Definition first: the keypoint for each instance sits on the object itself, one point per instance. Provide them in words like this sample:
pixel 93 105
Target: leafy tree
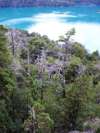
pixel 13 103
pixel 67 36
pixel 71 71
pixel 44 122
pixel 79 102
pixel 79 50
pixel 6 84
pixel 4 52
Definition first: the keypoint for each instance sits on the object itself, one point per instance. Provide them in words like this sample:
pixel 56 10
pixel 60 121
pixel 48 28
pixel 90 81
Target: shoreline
pixel 46 5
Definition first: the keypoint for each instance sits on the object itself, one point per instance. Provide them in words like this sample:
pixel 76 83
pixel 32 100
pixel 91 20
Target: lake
pixel 56 21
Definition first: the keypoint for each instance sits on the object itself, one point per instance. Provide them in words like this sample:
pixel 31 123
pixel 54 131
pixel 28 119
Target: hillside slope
pixel 47 86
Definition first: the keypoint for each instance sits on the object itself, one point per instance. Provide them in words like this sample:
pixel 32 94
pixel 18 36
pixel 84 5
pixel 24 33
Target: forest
pixel 47 86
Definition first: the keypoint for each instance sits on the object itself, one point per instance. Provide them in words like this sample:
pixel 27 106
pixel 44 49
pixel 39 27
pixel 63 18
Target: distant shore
pixel 31 3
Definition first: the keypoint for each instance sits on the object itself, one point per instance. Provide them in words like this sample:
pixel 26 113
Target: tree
pixel 13 102
pixel 72 70
pixel 7 84
pixel 68 35
pixel 79 102
pixel 5 59
pixel 44 121
pixel 79 50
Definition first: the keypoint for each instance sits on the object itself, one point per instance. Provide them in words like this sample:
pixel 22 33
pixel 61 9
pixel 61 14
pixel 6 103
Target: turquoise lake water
pixel 56 21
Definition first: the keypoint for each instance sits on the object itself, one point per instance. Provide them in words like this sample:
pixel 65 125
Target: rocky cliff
pixel 28 3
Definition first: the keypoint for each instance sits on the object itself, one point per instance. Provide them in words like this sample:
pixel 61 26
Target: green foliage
pixel 70 33
pixel 94 56
pixel 44 123
pixel 5 120
pixel 98 130
pixel 34 101
pixel 13 103
pixel 79 50
pixel 71 69
pixel 4 52
pixel 51 60
pixel 67 36
pixel 78 102
pixel 39 42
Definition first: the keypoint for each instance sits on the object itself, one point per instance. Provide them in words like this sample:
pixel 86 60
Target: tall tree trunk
pixel 12 43
pixel 28 61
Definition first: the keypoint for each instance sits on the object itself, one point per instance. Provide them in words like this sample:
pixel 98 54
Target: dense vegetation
pixel 56 89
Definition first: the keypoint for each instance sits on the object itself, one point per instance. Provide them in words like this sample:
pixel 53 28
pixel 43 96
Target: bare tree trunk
pixel 33 120
pixel 12 43
pixel 28 60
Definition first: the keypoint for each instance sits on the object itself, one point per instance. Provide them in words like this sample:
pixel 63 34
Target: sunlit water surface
pixel 56 21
